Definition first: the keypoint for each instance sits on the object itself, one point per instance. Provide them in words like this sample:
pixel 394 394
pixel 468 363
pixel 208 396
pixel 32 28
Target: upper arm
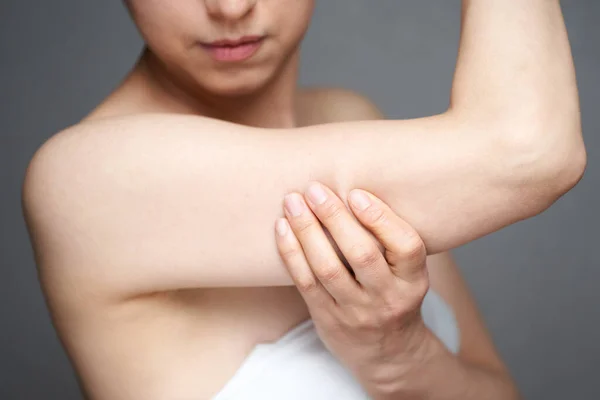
pixel 149 203
pixel 476 346
pixel 124 208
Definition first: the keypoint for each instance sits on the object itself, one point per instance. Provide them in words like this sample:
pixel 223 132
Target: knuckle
pixel 362 320
pixel 419 288
pixel 370 321
pixel 303 225
pixel 394 304
pixel 289 252
pixel 330 210
pixel 412 248
pixel 306 284
pixel 377 216
pixel 400 308
pixel 364 256
pixel 392 311
pixel 330 273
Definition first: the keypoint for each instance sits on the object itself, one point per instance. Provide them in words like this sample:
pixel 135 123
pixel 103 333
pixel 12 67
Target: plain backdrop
pixel 536 282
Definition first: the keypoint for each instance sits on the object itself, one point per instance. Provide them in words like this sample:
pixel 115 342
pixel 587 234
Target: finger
pixel 355 243
pixel 290 250
pixel 404 249
pixel 319 253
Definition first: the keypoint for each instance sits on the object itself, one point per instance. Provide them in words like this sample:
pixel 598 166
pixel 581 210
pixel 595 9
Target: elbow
pixel 570 170
pixel 547 162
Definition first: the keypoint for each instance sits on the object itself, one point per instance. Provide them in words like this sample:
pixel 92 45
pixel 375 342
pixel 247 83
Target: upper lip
pixel 235 42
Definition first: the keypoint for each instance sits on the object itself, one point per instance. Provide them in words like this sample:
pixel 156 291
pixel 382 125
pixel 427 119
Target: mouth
pixel 234 50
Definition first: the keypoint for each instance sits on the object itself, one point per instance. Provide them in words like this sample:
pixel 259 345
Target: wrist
pixel 388 372
pixel 406 378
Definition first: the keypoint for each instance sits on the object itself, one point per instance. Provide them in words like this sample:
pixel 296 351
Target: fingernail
pixel 359 200
pixel 316 194
pixel 294 204
pixel 282 226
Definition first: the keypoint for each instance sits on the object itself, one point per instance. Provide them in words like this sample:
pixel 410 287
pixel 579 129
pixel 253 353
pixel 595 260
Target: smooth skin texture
pixel 512 132
pixel 369 316
pixel 151 220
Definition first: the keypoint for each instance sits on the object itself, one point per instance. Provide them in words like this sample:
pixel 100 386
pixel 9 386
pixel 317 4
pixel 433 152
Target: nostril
pixel 230 9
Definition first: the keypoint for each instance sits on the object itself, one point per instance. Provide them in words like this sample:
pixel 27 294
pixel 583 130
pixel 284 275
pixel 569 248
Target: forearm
pixel 515 67
pixel 438 374
pixel 521 70
pixel 514 90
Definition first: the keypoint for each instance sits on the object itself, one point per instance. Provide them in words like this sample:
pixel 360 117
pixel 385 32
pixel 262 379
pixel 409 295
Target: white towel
pixel 298 366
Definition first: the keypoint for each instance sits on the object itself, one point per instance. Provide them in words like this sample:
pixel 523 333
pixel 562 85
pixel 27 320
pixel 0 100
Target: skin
pixel 172 192
pixel 370 318
pixel 134 246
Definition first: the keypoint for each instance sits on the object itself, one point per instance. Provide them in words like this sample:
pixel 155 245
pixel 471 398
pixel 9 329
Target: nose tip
pixel 230 9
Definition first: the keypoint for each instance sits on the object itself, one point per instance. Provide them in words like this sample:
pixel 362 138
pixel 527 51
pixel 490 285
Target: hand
pixel 371 322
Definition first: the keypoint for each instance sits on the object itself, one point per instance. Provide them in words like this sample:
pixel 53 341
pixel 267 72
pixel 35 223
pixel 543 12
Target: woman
pixel 152 220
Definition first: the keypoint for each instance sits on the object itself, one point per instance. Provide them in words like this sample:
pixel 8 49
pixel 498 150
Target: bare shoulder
pixel 325 105
pixel 65 163
pixel 60 186
pixel 71 182
pixel 48 192
pixel 63 154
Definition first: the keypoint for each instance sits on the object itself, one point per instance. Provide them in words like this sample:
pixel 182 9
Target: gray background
pixel 536 282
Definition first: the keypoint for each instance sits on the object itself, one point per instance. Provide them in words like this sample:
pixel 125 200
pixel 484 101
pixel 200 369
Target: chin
pixel 232 90
pixel 243 83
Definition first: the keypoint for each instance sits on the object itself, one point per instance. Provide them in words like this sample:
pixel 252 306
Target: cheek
pixel 297 16
pixel 294 18
pixel 167 26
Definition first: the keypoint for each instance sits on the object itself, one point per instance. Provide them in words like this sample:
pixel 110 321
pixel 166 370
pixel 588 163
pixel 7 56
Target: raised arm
pixel 156 202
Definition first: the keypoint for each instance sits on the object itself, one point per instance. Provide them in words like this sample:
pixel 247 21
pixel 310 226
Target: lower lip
pixel 233 53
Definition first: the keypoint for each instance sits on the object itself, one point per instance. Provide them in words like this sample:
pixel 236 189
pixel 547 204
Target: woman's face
pixel 226 47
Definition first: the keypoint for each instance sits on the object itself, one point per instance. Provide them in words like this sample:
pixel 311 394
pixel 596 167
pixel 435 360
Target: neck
pixel 272 106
